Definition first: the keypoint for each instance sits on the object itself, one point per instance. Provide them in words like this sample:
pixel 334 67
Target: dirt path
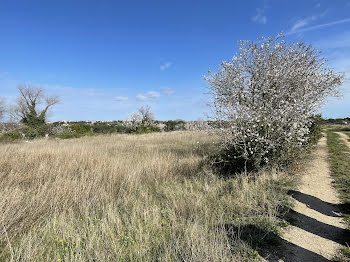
pixel 317 229
pixel 344 137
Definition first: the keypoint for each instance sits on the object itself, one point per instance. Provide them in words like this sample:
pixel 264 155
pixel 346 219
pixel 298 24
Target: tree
pixel 264 99
pixel 146 115
pixel 143 119
pixel 32 105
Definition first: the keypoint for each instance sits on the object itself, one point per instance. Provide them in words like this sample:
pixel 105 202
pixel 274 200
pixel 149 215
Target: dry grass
pixel 129 198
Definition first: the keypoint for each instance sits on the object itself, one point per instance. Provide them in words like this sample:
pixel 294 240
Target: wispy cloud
pixel 121 98
pixel 310 28
pixel 149 96
pixel 260 17
pixel 165 66
pixel 303 22
pixel 168 90
pixel 300 23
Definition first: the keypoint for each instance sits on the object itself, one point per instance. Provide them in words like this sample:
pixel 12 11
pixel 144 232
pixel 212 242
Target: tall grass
pixel 130 198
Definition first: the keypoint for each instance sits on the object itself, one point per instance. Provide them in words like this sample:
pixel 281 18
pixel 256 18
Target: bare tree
pixel 32 105
pixel 265 97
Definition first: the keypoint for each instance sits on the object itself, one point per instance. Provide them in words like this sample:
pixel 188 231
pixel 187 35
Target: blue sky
pixel 107 58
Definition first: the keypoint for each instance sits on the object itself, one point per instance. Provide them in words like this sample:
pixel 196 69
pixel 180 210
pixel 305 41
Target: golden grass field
pixel 146 197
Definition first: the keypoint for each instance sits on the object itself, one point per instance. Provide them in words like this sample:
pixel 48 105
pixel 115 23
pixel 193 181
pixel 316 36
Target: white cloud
pixel 121 98
pixel 306 21
pixel 347 20
pixel 168 91
pixel 260 17
pixel 151 95
pixel 165 66
pixel 303 22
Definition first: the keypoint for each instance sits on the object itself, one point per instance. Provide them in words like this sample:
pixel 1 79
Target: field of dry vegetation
pixel 146 197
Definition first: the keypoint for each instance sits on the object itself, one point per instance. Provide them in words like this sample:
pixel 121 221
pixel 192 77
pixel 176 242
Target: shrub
pixel 315 129
pixel 10 136
pixel 265 99
pixel 174 125
pixel 148 129
pixel 32 132
pixel 80 128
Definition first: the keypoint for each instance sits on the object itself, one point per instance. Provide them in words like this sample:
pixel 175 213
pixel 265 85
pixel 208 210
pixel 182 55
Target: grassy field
pixel 132 198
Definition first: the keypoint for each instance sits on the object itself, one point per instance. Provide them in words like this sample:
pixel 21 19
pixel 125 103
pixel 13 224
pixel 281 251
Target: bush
pixel 265 99
pixel 315 129
pixel 174 125
pixel 81 128
pixel 34 132
pixel 72 135
pixel 148 129
pixel 10 136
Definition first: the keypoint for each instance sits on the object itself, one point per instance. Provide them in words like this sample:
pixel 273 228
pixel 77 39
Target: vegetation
pixel 28 105
pixel 133 198
pixel 339 155
pixel 266 98
pixel 10 136
pixel 337 121
pixel 163 197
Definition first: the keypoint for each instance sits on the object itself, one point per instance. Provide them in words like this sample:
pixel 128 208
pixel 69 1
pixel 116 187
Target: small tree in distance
pixel 32 106
pixel 142 121
pixel 265 97
pixel 146 115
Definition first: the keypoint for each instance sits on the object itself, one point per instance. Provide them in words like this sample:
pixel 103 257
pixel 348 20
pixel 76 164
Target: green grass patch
pixel 348 134
pixel 339 156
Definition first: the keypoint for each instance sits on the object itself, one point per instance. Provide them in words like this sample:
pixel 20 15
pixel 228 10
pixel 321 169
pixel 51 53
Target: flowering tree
pixel 143 118
pixel 146 115
pixel 133 120
pixel 264 98
pixel 200 124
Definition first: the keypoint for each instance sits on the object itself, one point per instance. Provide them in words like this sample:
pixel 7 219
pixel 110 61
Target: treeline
pixel 75 129
pixel 33 103
pixel 337 121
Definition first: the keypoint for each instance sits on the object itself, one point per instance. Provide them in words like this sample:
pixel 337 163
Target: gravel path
pixel 317 228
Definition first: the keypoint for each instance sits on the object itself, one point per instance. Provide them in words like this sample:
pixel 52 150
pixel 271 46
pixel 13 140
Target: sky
pixel 105 59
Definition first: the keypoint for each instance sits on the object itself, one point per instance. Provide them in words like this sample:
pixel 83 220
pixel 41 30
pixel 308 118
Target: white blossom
pixel 267 94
